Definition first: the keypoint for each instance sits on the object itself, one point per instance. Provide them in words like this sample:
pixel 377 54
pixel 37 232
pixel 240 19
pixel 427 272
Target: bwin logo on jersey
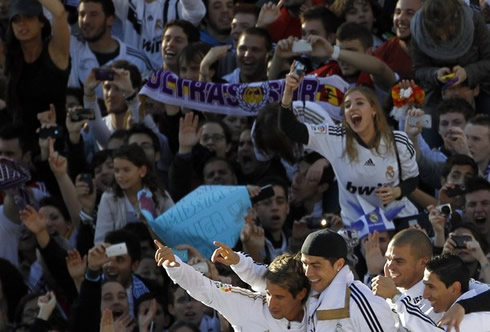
pixel 361 190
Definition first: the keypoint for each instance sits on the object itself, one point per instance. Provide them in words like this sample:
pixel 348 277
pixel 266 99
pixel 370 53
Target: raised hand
pixel 74 128
pixel 292 83
pixel 320 46
pixel 375 260
pixel 413 130
pixel 214 54
pixel 34 221
pixel 164 255
pixel 47 117
pixel 57 162
pixel 315 172
pixel 90 84
pixel 87 199
pixel 189 134
pixel 252 235
pixel 122 79
pixel 46 304
pixel 441 72
pixel 107 321
pixel 384 287
pixel 284 48
pixel 224 254
pixel 146 316
pixel 97 256
pixel 460 74
pixel 456 141
pixel 269 13
pixel 124 323
pixel 452 318
pixel 76 265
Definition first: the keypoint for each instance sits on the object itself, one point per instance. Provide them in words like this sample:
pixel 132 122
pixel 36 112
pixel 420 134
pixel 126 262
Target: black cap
pixel 25 7
pixel 325 243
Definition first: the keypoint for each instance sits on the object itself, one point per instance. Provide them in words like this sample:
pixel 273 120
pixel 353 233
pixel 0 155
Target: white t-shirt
pixel 358 180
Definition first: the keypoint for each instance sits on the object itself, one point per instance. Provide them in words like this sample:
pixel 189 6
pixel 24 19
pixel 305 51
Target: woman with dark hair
pixel 118 207
pixel 37 62
pixel 375 167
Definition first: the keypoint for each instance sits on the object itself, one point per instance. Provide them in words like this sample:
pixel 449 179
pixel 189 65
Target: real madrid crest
pixel 373 217
pixel 390 173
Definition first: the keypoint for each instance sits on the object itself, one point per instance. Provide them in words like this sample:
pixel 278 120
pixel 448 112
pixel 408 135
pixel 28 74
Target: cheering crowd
pixel 360 129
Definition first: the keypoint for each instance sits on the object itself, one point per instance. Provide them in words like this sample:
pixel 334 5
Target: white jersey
pixel 143 22
pixel 415 320
pixel 358 180
pixel 83 60
pixel 245 310
pixel 345 305
pixel 416 294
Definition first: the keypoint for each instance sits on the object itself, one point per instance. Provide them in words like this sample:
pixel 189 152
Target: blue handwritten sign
pixel 209 213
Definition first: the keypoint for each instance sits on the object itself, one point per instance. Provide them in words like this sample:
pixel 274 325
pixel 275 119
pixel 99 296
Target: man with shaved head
pixel 407 254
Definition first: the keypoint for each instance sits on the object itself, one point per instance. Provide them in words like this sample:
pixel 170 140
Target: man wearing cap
pixel 338 302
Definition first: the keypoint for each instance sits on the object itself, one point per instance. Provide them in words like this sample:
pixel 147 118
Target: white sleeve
pixel 250 272
pixel 192 11
pixel 121 7
pixel 98 127
pixel 406 153
pixel 74 78
pixel 105 217
pixel 477 321
pixel 412 318
pixel 326 140
pixel 370 313
pixel 234 303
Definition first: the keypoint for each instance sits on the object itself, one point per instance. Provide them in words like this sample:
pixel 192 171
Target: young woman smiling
pixel 374 166
pixel 132 172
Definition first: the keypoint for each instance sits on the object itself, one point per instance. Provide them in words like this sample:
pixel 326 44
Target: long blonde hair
pixel 381 127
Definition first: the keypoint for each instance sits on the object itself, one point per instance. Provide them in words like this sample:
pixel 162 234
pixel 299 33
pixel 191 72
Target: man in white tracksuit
pixel 446 281
pixel 338 302
pixel 281 309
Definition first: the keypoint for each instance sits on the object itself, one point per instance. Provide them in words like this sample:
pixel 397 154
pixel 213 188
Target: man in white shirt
pixel 280 309
pixel 446 281
pixel 143 22
pixel 97 47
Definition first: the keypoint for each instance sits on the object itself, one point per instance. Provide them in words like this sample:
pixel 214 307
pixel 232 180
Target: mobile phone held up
pixel 104 74
pixel 461 240
pixel 87 178
pixel 81 114
pixel 53 132
pixel 299 68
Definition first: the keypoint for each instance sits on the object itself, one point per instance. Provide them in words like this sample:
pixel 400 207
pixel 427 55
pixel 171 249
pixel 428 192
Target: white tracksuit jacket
pixel 413 319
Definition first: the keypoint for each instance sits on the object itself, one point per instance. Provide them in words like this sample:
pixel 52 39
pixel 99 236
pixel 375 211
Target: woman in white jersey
pixel 374 166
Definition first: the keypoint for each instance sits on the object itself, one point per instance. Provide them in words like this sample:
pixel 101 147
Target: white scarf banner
pixel 245 99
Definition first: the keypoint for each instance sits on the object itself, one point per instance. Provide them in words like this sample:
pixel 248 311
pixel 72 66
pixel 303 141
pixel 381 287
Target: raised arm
pixel 59 45
pixel 380 72
pixel 288 123
pixel 192 11
pixel 243 265
pixel 220 296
